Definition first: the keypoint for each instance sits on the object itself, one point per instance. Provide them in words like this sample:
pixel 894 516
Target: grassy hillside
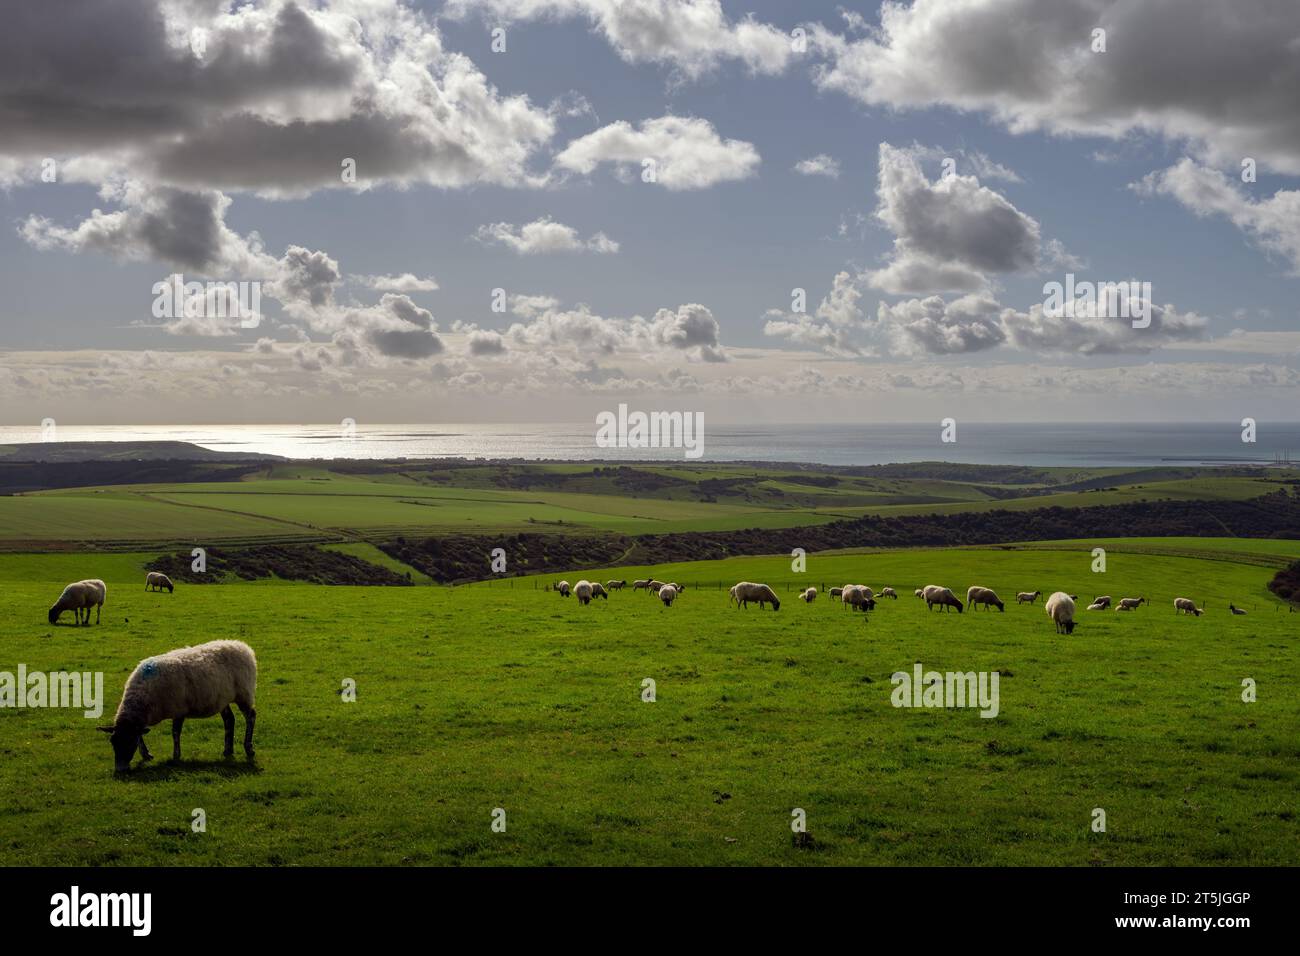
pixel 504 696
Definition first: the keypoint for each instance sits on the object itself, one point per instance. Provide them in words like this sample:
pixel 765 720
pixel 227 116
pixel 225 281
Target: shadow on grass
pixel 228 768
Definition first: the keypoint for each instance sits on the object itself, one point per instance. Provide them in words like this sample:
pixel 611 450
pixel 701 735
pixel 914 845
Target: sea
pixel 1098 444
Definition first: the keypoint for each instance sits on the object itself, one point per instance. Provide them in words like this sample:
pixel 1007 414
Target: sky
pixel 532 210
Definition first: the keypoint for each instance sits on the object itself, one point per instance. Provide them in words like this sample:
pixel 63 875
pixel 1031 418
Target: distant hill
pixel 78 451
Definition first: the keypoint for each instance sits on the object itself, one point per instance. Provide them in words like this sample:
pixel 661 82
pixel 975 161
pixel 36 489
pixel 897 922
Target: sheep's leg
pixel 228 718
pixel 98 608
pixel 177 724
pixel 250 717
pixel 144 749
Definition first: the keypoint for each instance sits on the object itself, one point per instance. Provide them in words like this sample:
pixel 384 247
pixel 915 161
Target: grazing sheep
pixel 1235 610
pixel 583 592
pixel 747 591
pixel 667 594
pixel 680 587
pixel 809 595
pixel 835 592
pixel 936 594
pixel 199 681
pixel 598 590
pixel 1060 608
pixel 1103 600
pixel 80 596
pixel 919 592
pixel 616 585
pixel 640 583
pixel 1027 597
pixel 1186 606
pixel 1129 604
pixel 859 597
pixel 654 586
pixel 563 588
pixel 986 596
pixel 157 580
pixel 889 593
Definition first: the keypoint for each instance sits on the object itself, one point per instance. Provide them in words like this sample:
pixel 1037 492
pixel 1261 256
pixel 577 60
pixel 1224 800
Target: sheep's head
pixel 125 739
pixel 1069 627
pixel 170 587
pixel 1002 607
pixel 776 605
pixel 54 614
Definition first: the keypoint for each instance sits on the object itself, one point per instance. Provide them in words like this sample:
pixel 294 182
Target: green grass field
pixel 502 695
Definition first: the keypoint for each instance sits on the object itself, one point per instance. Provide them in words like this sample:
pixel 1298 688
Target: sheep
pixel 858 597
pixel 583 592
pixel 667 593
pixel 654 586
pixel 1235 610
pixel 1060 608
pixel 80 596
pixel 1186 606
pixel 157 580
pixel 808 596
pixel 640 583
pixel 919 592
pixel 563 588
pixel 1096 607
pixel 199 681
pixel 1103 600
pixel 1028 597
pixel 889 593
pixel 616 585
pixel 986 596
pixel 936 594
pixel 680 587
pixel 598 590
pixel 747 591
pixel 835 592
pixel 1129 604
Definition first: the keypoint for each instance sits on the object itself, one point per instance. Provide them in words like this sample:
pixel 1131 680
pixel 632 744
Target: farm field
pixel 302 503
pixel 503 695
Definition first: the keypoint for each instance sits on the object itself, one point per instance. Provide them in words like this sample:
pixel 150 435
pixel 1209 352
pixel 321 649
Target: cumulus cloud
pixel 276 98
pixel 1092 328
pixel 949 234
pixel 693 36
pixel 544 235
pixel 835 326
pixel 406 282
pixel 690 330
pixel 687 152
pixel 1175 68
pixel 1273 223
pixel 819 165
pixel 931 326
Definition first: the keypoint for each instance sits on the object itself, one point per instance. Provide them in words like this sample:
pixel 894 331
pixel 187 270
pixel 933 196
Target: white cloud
pixel 819 165
pixel 1272 223
pixel 687 152
pixel 1176 68
pixel 693 36
pixel 1086 329
pixel 406 282
pixel 931 326
pixel 542 236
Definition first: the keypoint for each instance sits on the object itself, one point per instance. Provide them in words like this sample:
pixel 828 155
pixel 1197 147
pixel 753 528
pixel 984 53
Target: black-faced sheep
pixel 667 594
pixel 986 596
pixel 889 593
pixel 640 583
pixel 188 682
pixel 563 588
pixel 1060 608
pixel 616 585
pixel 1235 610
pixel 937 594
pixel 1186 606
pixel 80 596
pixel 583 592
pixel 1028 597
pixel 1130 604
pixel 1103 600
pixel 808 595
pixel 157 581
pixel 598 590
pixel 747 591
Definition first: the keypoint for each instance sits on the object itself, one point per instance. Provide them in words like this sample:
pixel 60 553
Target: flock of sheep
pixel 200 681
pixel 1060 606
pixel 205 680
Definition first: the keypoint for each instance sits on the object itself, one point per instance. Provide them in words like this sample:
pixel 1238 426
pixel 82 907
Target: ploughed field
pixel 504 695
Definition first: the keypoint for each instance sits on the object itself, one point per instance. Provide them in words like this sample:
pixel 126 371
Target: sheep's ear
pixel 105 730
